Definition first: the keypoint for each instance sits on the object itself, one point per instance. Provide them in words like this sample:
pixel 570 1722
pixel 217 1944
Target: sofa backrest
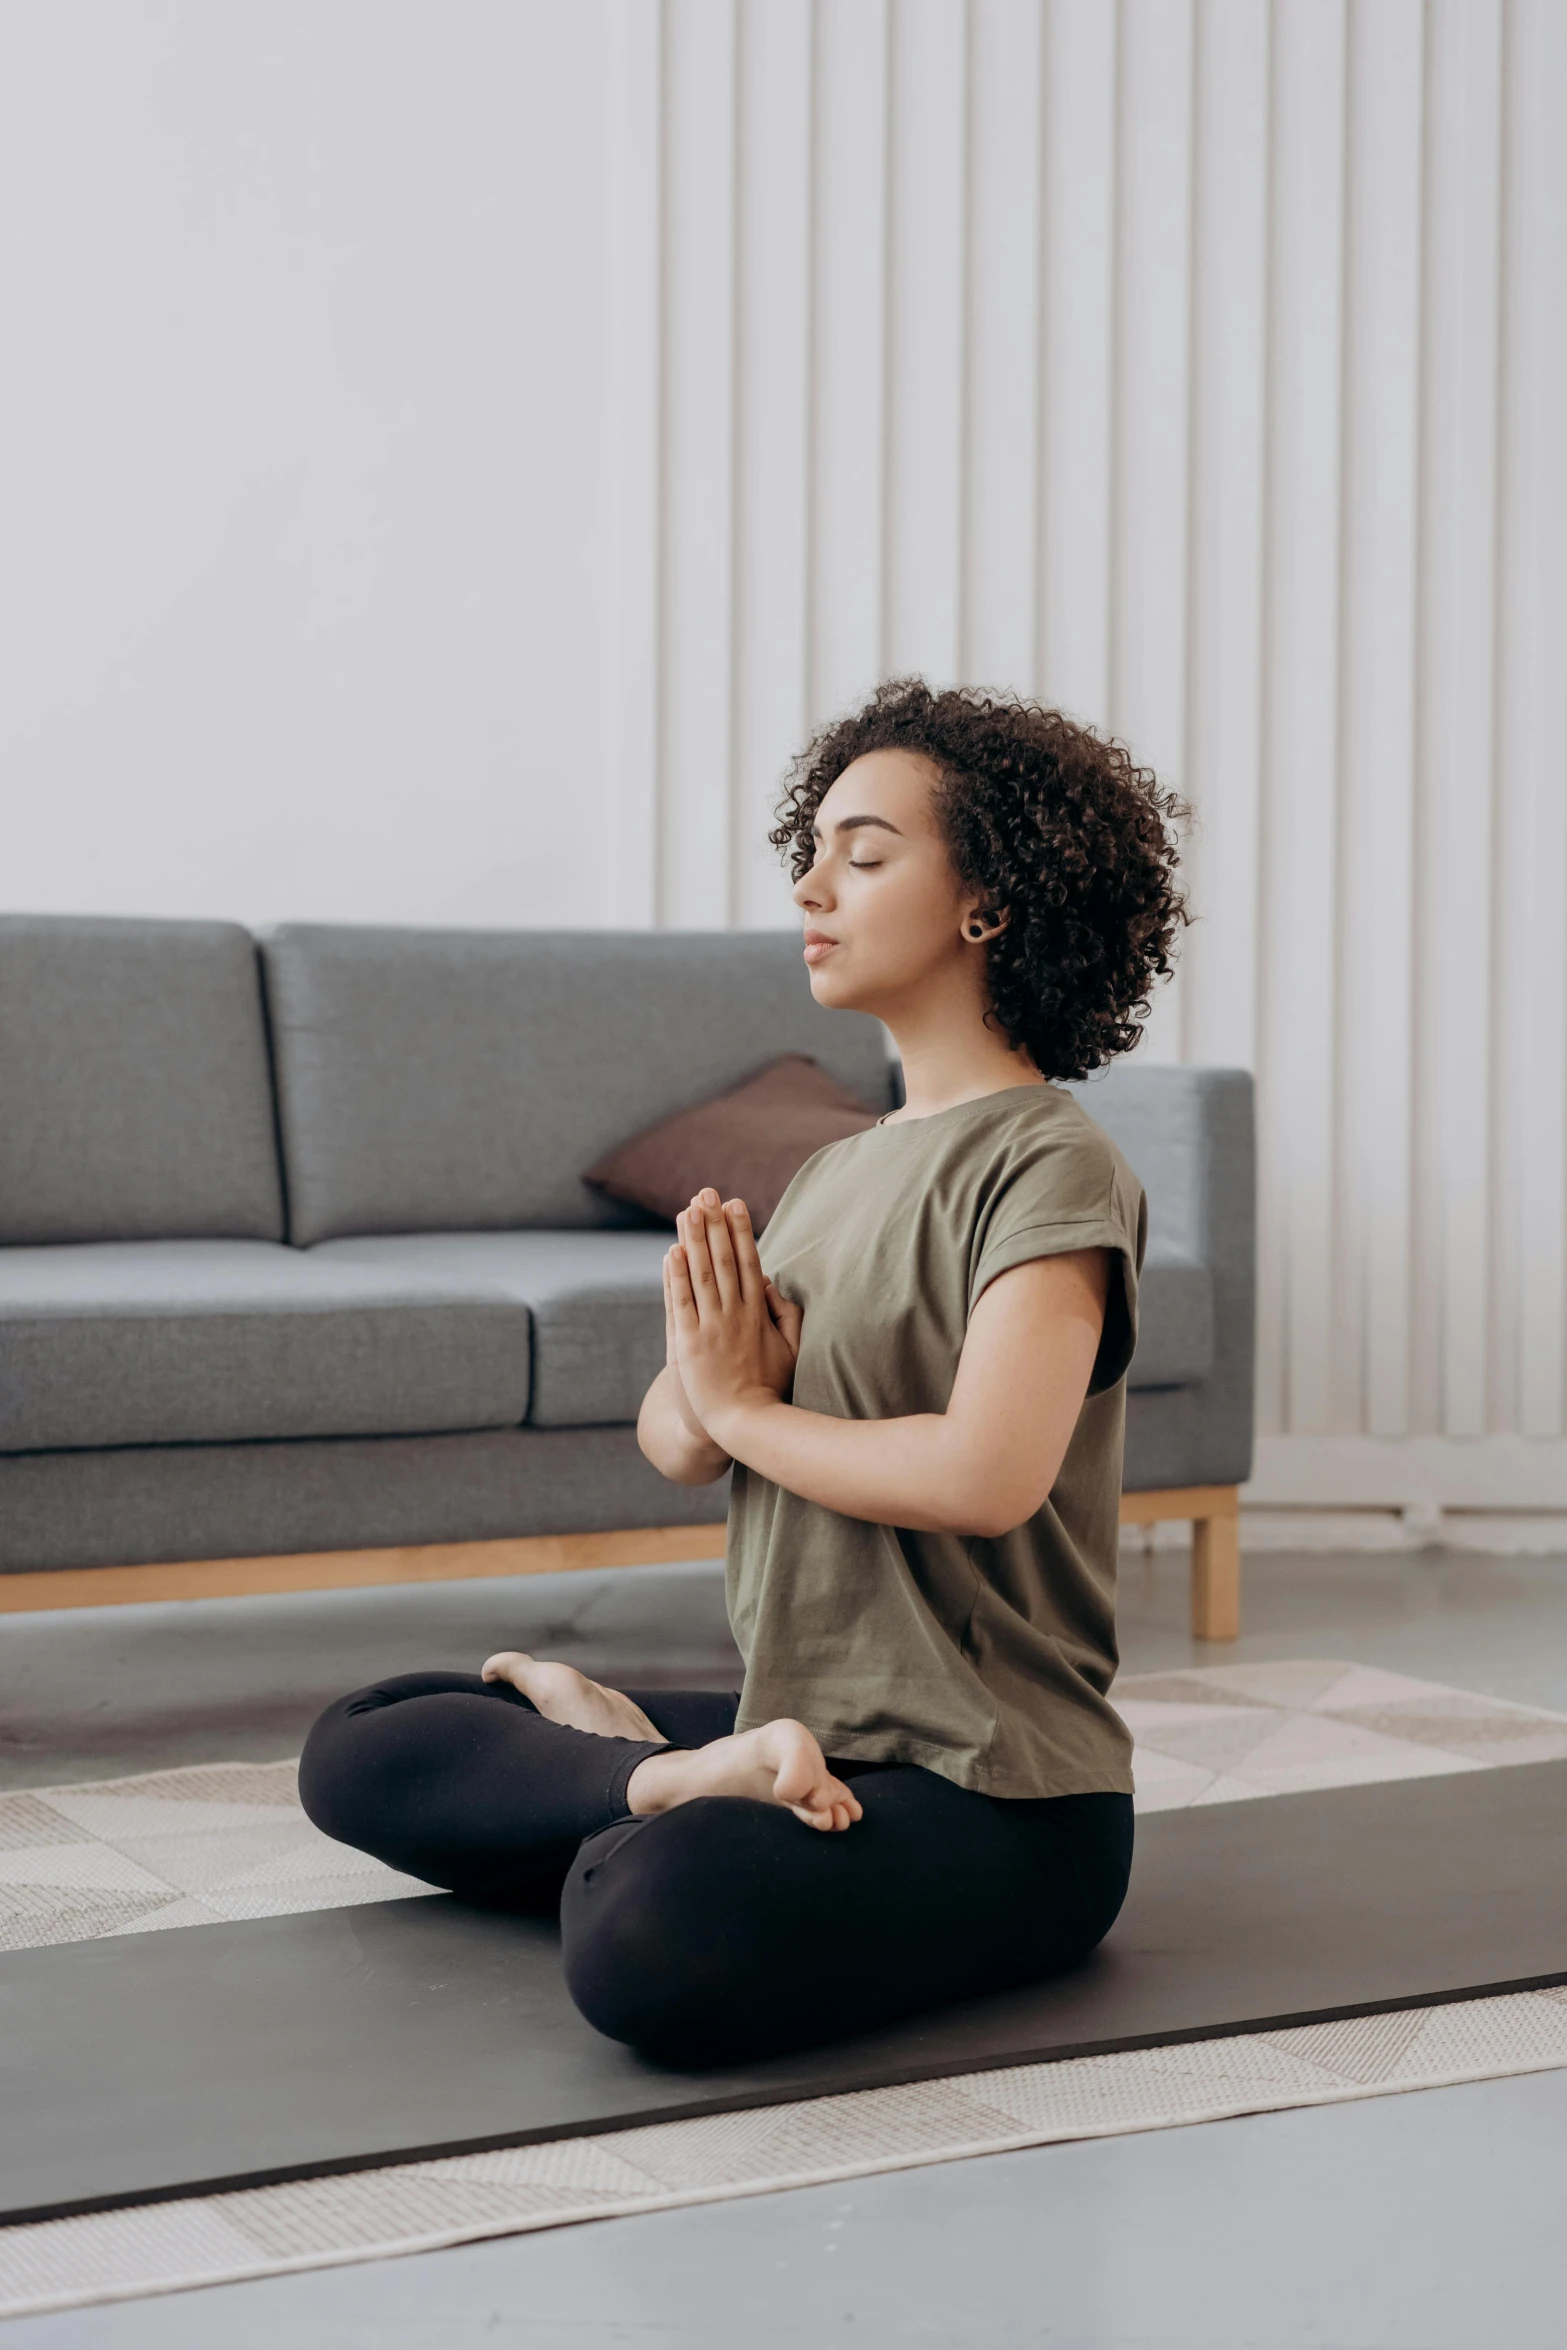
pixel 1159 1116
pixel 1189 1137
pixel 135 1096
pixel 459 1080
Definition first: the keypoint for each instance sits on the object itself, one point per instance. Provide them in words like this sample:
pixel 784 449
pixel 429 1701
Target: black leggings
pixel 725 1929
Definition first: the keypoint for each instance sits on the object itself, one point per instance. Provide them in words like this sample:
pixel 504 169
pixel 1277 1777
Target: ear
pixel 983 923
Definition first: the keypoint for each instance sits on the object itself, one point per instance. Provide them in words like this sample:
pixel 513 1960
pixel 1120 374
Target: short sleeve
pixel 1121 1226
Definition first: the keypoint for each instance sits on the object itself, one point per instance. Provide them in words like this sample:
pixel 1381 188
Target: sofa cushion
pixel 434 1081
pixel 206 1341
pixel 749 1142
pixel 135 1096
pixel 596 1300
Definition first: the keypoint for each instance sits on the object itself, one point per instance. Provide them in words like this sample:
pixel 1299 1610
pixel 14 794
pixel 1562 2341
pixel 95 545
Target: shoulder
pixel 1049 1157
pixel 1047 1128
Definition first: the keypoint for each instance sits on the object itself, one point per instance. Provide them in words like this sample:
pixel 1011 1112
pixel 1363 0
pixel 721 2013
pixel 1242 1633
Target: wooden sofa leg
pixel 1216 1577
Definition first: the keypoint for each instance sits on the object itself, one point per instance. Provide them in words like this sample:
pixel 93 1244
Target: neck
pixel 946 1061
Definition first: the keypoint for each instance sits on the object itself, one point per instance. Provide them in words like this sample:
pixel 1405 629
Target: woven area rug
pixel 228 1841
pixel 420 2207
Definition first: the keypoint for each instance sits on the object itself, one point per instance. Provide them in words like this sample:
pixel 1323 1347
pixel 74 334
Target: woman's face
pixel 883 907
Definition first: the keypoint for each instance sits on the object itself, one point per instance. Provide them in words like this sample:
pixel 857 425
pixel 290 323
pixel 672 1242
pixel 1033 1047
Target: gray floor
pixel 101 1691
pixel 1427 2222
pixel 98 1692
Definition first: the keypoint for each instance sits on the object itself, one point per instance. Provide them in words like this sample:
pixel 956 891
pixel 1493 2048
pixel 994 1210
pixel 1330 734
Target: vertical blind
pixel 1201 367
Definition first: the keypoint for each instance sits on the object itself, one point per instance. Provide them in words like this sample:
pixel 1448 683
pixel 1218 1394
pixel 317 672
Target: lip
pixel 817 944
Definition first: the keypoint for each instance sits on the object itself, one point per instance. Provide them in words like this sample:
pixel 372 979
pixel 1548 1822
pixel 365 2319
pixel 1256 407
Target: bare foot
pixel 562 1694
pixel 778 1763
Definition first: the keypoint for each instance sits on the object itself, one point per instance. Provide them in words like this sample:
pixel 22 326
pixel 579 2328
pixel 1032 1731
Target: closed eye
pixel 863 864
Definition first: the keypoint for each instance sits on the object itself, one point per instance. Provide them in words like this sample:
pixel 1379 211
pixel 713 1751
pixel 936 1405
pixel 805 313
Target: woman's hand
pixel 730 1332
pixel 787 1319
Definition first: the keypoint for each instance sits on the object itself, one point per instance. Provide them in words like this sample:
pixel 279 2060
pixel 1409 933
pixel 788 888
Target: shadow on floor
pixel 89 1693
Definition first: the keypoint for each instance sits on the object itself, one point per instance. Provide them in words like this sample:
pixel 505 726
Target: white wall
pixel 459 449
pixel 301 485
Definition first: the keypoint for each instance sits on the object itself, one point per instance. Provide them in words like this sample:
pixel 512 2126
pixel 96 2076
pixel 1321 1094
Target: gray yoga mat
pixel 166 2064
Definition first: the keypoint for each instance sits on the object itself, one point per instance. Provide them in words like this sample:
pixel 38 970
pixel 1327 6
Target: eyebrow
pixel 848 824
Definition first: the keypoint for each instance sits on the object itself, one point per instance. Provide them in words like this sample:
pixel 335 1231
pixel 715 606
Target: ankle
pixel 650 1788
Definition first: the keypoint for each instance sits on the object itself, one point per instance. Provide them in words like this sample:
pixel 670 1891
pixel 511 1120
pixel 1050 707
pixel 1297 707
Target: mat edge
pixel 906 2076
pixel 472 2232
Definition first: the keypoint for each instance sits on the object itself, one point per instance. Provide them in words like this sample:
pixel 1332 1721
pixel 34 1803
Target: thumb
pixel 787 1316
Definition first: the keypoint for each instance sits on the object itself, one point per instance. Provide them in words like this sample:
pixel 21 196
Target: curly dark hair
pixel 1044 818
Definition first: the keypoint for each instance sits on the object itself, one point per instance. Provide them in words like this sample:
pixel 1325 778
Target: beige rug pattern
pixel 227 1841
pixel 423 2206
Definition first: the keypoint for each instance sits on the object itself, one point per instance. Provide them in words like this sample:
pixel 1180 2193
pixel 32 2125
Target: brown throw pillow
pixel 747 1142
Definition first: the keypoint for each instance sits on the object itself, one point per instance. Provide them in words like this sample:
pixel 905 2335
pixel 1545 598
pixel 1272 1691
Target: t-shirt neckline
pixel 975 1102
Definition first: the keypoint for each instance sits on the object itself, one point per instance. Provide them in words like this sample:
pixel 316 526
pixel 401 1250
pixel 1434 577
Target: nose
pixel 810 892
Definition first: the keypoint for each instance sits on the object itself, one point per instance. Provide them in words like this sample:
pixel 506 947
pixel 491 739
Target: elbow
pixel 705 1471
pixel 989 1532
pixel 988 1485
pixel 659 1455
pixel 997 1508
pixel 978 1516
pixel 990 1525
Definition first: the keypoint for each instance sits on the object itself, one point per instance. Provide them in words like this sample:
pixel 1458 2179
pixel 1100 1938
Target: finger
pixel 686 1317
pixel 753 1281
pixel 693 1236
pixel 789 1318
pixel 669 1312
pixel 720 1243
pixel 683 1242
pixel 711 1223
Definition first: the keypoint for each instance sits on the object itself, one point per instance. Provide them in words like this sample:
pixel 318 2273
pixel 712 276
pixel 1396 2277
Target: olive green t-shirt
pixel 986 1659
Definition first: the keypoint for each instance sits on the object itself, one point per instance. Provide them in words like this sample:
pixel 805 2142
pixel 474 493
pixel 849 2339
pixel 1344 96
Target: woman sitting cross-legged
pixel 918 1373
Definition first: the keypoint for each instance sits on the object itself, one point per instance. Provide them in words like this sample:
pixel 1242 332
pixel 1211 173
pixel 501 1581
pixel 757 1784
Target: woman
pixel 921 1793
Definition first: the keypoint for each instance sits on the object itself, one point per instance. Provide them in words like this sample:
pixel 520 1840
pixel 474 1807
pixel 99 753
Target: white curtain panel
pixel 1198 365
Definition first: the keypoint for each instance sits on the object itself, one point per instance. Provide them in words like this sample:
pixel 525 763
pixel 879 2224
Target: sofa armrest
pixel 1189 1136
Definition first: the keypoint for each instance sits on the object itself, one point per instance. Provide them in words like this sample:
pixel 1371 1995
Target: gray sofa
pixel 295 1256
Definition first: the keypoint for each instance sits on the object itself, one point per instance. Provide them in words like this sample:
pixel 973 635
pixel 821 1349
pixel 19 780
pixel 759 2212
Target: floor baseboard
pixel 1493 1533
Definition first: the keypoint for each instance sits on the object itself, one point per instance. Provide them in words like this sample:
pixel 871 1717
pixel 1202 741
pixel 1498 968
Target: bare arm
pixel 982 1466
